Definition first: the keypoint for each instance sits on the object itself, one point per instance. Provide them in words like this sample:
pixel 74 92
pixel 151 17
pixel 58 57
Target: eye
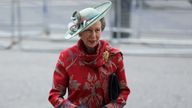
pixel 97 30
pixel 88 30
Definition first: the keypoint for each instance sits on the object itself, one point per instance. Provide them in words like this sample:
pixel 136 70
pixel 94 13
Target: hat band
pixel 78 22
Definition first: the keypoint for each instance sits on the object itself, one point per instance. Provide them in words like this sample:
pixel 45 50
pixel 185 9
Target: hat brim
pixel 103 8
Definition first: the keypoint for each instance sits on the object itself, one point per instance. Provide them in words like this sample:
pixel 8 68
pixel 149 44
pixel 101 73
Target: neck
pixel 90 50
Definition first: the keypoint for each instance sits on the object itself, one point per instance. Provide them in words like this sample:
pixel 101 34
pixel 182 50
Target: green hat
pixel 86 18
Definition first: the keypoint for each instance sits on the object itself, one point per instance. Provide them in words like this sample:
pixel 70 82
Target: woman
pixel 84 68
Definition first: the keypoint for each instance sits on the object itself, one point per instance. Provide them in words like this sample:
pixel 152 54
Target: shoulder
pixel 116 56
pixel 68 55
pixel 110 49
pixel 114 52
pixel 69 52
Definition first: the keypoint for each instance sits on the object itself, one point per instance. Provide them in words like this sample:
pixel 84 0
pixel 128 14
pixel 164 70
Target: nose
pixel 93 34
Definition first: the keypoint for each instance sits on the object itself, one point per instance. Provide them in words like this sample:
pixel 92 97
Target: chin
pixel 92 46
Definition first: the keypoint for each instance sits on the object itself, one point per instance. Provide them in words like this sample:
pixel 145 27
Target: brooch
pixel 106 56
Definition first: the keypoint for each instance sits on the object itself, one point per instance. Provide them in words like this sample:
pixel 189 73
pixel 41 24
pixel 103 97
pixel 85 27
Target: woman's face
pixel 91 36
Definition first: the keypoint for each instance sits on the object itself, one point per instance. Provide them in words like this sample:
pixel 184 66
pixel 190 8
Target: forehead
pixel 96 25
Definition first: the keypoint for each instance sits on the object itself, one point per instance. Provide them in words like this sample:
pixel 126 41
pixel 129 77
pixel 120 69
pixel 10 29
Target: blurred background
pixel 155 37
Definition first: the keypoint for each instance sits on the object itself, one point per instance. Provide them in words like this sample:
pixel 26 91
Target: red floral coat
pixel 86 76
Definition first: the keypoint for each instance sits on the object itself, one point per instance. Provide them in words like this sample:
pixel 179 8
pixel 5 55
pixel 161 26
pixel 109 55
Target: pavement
pixel 155 81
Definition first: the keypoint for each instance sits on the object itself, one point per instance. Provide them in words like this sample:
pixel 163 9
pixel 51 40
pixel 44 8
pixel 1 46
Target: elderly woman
pixel 84 68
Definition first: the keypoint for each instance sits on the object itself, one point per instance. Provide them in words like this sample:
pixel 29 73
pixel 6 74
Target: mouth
pixel 92 41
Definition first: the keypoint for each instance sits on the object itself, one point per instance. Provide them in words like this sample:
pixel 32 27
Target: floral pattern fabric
pixel 86 76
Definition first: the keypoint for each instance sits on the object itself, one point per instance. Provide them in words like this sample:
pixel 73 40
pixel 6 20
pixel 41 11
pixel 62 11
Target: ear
pixel 79 35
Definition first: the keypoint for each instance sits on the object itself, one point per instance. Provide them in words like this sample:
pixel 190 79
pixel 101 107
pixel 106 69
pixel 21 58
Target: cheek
pixel 98 35
pixel 83 38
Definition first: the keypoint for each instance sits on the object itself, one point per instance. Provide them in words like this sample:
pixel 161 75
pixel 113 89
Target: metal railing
pixel 152 22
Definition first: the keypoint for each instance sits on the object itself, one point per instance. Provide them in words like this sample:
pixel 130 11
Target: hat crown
pixel 89 13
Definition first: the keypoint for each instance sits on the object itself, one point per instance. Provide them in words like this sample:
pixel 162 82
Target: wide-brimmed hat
pixel 86 18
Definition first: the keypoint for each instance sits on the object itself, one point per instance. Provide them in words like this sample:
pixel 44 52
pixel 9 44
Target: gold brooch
pixel 106 56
